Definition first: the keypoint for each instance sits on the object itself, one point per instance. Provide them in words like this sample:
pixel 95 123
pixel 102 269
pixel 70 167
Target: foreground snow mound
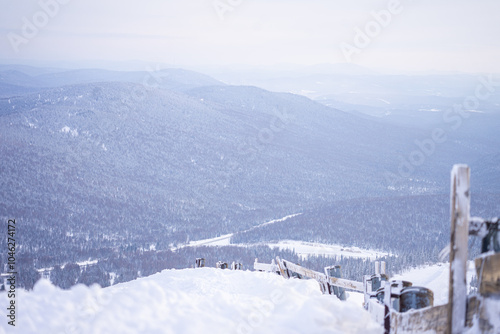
pixel 189 301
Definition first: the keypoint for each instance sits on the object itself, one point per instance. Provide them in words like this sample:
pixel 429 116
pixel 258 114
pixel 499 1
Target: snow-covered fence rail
pixel 320 277
pixel 288 269
pixel 272 267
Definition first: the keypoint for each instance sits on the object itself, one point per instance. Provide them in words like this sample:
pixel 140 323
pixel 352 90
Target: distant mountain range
pixel 409 100
pixel 27 79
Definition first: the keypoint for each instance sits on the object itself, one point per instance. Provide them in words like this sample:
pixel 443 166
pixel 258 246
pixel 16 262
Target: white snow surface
pixel 306 249
pixel 436 278
pixel 302 248
pixel 225 240
pixel 204 300
pixel 67 129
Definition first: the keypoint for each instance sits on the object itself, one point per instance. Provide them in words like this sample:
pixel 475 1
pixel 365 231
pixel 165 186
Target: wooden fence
pixel 461 311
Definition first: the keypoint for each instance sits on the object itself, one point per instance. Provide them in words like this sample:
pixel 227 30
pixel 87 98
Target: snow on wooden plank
pixel 431 319
pixel 269 267
pixel 320 277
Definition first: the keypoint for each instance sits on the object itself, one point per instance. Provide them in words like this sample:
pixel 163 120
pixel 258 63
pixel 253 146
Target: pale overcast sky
pixel 449 35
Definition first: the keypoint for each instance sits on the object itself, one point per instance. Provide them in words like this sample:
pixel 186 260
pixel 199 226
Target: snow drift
pixel 197 301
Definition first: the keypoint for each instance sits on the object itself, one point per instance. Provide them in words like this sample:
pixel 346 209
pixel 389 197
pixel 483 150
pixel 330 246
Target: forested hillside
pixel 92 168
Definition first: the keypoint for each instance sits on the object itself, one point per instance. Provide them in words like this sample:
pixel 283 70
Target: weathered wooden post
pixel 221 265
pixel 335 271
pixel 460 214
pixel 383 268
pixel 236 266
pixel 282 267
pixel 200 262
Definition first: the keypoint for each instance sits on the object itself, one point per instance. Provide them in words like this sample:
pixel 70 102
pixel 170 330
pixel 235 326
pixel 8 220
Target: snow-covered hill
pixel 189 301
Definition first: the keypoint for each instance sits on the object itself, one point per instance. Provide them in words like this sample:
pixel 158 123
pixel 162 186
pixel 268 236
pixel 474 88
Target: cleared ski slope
pixel 302 248
pixel 225 239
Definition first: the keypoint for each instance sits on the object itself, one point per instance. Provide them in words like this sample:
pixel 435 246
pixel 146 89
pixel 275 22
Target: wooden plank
pixel 343 283
pixel 304 271
pixel 460 216
pixel 280 267
pixel 420 321
pixel 484 313
pixel 435 318
pixel 268 267
pixel 265 267
pixel 320 277
pixel 473 307
pixel 488 271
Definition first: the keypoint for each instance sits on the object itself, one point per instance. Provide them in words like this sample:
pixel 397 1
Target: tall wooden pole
pixel 460 215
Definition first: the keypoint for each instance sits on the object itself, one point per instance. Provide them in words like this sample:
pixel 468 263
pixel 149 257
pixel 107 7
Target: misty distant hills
pixel 116 162
pixel 408 100
pixel 173 79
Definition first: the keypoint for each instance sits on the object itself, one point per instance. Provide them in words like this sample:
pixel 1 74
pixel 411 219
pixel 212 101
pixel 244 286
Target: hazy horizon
pixel 383 35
